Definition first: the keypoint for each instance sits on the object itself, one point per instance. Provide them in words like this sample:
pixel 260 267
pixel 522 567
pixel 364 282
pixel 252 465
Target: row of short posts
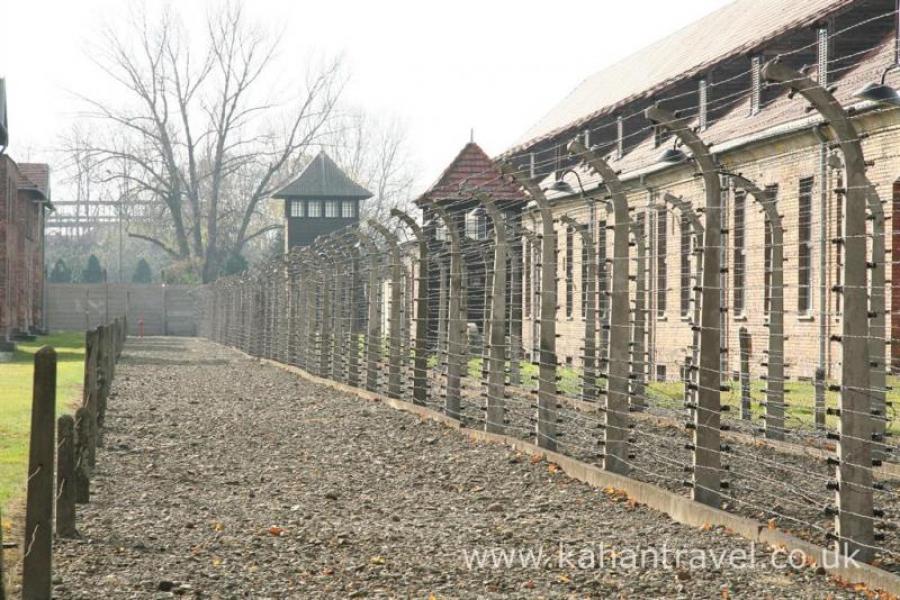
pixel 63 452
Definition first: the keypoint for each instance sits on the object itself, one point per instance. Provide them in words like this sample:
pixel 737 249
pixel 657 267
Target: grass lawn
pixel 15 402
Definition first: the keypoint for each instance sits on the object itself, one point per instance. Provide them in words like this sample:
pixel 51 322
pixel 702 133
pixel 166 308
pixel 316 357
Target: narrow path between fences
pixel 222 477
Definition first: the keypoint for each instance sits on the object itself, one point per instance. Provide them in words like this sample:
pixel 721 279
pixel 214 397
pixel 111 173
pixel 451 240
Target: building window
pixel 570 284
pixel 768 265
pixel 804 262
pixel 347 209
pixel 602 269
pixel 755 84
pixel 331 209
pixel 476 224
pixel 313 208
pixel 739 264
pixel 662 273
pixel 296 208
pixel 685 267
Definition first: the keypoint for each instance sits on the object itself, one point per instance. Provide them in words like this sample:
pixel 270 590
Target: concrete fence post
pixel 37 562
pixel 373 326
pixel 744 342
pixel 589 368
pixel 854 526
pixel 707 446
pixel 495 420
pixel 690 218
pixel 878 337
pixel 420 353
pixel 617 423
pixel 775 377
pixel 84 434
pixel 819 384
pixel 639 321
pixel 456 321
pixel 547 368
pixel 395 385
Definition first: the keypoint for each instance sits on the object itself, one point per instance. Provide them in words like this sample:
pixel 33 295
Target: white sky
pixel 443 68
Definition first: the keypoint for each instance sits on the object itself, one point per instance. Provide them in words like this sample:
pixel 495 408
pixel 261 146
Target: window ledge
pixel 741 318
pixel 806 318
pixel 662 318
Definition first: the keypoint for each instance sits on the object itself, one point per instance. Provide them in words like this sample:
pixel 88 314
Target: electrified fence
pixel 675 329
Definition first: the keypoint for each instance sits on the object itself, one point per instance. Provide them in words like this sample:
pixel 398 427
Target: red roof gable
pixel 472 170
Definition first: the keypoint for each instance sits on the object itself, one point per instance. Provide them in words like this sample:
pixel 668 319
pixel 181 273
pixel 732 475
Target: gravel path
pixel 226 478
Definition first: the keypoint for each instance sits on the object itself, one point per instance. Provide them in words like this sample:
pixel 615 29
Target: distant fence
pixel 154 308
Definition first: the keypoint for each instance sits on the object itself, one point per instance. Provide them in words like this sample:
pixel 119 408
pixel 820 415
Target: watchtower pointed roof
pixel 322 178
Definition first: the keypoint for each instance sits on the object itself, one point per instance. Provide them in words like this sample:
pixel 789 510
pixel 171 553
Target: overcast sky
pixel 442 68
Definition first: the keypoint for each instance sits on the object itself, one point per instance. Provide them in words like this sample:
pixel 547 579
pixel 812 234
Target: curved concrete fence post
pixel 547 408
pixel 775 403
pixel 638 346
pixel 495 419
pixel 456 319
pixel 854 527
pixel 707 419
pixel 618 421
pixel 697 231
pixel 589 368
pixel 395 385
pixel 373 341
pixel 420 353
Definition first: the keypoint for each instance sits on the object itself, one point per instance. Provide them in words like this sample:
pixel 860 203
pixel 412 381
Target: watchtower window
pixel 347 211
pixel 331 208
pixel 296 208
pixel 313 209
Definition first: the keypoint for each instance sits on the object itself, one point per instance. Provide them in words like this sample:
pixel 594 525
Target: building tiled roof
pixel 738 125
pixel 735 29
pixel 322 178
pixel 471 169
pixel 36 176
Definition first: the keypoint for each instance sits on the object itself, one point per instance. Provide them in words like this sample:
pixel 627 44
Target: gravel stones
pixel 226 478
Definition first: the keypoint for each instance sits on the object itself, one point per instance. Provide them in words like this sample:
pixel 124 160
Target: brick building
pixel 753 129
pixel 24 198
pixel 471 169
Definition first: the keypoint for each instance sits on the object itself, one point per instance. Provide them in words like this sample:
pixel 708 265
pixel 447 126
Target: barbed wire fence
pixel 678 341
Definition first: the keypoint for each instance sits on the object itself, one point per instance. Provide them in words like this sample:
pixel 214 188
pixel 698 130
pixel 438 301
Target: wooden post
pixel 420 359
pixel 65 478
pixel 854 526
pixel 84 442
pixel 744 340
pixel 617 421
pixel 38 546
pixel 707 433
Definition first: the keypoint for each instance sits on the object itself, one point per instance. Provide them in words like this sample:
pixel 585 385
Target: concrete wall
pixel 164 309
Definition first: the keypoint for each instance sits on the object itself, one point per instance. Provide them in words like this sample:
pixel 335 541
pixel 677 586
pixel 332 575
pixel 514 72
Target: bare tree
pixel 202 132
pixel 373 151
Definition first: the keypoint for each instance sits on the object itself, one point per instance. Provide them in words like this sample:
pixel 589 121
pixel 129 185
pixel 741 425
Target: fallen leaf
pixel 276 531
pixel 377 560
pixel 771 524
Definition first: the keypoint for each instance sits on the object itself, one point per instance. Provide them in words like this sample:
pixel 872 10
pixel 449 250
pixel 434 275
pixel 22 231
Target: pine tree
pixel 61 272
pixel 142 273
pixel 92 273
